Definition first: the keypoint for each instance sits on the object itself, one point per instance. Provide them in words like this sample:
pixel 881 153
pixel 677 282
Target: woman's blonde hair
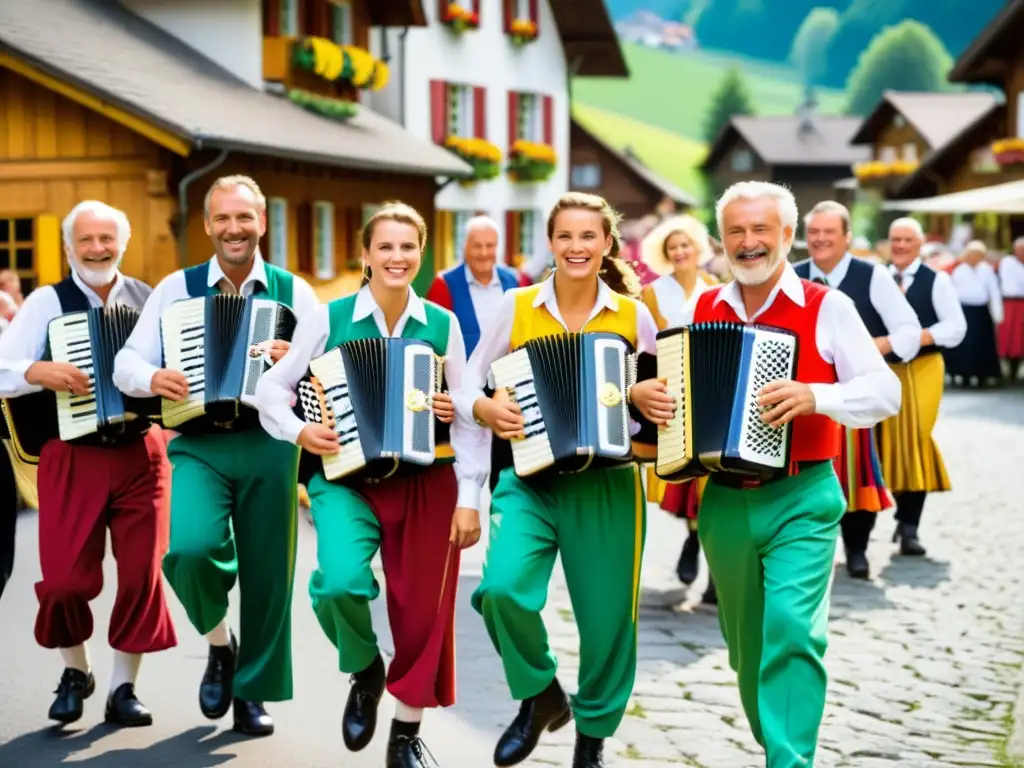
pixel 393 210
pixel 695 232
pixel 619 276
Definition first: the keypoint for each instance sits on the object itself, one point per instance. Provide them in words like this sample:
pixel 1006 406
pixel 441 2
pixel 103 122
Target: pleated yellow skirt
pixel 24 478
pixel 910 458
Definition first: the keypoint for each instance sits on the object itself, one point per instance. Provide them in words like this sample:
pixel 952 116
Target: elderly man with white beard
pixel 770 544
pixel 89 485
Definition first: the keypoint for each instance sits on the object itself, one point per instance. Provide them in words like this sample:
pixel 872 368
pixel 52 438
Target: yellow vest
pixel 532 322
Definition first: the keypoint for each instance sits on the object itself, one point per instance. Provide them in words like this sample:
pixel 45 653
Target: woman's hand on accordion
pixel 501 415
pixel 58 377
pixel 783 401
pixel 652 398
pixel 277 349
pixel 444 407
pixel 169 384
pixel 465 528
pixel 319 439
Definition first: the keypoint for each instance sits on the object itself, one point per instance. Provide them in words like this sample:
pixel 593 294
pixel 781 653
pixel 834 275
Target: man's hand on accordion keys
pixel 652 398
pixel 58 377
pixel 501 415
pixel 783 401
pixel 319 439
pixel 169 384
pixel 444 407
pixel 465 530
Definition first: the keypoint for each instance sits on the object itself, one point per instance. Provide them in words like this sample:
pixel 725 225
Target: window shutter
pixel 535 15
pixel 439 110
pixel 442 9
pixel 48 256
pixel 476 9
pixel 509 11
pixel 548 120
pixel 511 235
pixel 513 118
pixel 304 238
pixel 271 18
pixel 480 113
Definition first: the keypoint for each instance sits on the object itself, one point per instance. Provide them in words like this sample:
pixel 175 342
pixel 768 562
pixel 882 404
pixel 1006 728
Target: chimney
pixel 807 112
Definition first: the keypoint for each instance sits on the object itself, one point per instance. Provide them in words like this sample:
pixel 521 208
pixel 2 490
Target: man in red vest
pixel 770 545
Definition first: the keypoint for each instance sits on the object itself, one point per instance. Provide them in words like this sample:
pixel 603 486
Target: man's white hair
pixel 753 190
pixel 481 222
pixel 101 211
pixel 1018 243
pixel 909 223
pixel 833 208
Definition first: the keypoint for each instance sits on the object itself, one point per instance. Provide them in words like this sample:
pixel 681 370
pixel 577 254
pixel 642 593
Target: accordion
pixel 717 371
pixel 88 340
pixel 217 342
pixel 571 390
pixel 377 395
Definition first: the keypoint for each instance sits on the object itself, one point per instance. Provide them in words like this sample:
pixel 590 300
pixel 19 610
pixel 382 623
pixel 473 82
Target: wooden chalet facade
pixel 619 177
pixel 147 119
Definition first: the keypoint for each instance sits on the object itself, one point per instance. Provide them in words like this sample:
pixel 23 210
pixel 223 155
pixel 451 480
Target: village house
pixel 142 103
pixel 489 80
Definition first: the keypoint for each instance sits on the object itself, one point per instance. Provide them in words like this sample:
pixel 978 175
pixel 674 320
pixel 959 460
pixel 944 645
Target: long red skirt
pixel 1011 330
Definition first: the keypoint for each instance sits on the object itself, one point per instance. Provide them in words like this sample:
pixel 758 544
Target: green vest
pixel 280 283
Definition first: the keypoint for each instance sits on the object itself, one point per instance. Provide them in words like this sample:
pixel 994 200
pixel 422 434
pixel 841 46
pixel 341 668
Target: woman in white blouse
pixel 975 360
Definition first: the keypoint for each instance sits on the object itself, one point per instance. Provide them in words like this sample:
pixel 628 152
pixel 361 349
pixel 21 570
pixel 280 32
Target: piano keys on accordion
pixel 717 371
pixel 377 395
pixel 88 340
pixel 217 343
pixel 571 390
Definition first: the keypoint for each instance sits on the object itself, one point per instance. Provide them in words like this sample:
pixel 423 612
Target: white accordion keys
pixel 182 326
pixel 673 451
pixel 329 369
pixel 514 374
pixel 69 342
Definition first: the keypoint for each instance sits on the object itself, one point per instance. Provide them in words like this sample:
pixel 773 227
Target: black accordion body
pixel 571 389
pixel 377 395
pixel 89 340
pixel 216 342
pixel 717 371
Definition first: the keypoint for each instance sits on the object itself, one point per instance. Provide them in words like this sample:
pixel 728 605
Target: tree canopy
pixel 731 98
pixel 809 53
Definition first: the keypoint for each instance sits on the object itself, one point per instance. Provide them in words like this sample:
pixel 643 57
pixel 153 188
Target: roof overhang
pixel 589 40
pixel 987 58
pixel 397 13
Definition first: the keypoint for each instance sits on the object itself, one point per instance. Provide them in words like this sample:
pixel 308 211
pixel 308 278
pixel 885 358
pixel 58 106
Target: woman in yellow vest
pixel 595 519
pixel 678 250
pixel 418 520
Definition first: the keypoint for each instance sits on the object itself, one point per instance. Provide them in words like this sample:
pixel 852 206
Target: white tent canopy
pixel 1001 198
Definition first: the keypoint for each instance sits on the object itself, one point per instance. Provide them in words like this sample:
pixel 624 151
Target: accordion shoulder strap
pixel 196 279
pixel 71 297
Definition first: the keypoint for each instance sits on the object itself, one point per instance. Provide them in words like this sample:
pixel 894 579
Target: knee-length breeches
pixel 82 491
pixel 409 519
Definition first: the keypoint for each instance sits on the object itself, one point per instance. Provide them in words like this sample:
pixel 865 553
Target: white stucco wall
pixel 485 57
pixel 230 32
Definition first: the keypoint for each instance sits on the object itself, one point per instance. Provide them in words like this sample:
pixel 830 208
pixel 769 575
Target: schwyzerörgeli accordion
pixel 377 395
pixel 571 390
pixel 717 371
pixel 217 342
pixel 88 340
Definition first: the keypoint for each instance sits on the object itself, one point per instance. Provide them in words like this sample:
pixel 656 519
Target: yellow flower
pixel 381 76
pixel 327 57
pixel 1008 145
pixel 473 147
pixel 541 153
pixel 524 28
pixel 362 65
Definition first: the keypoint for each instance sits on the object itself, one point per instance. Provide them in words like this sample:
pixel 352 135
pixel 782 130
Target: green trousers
pixel 770 551
pixel 597 521
pixel 234 515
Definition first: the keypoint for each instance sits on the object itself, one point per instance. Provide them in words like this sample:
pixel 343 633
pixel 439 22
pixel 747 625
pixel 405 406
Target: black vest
pixel 919 296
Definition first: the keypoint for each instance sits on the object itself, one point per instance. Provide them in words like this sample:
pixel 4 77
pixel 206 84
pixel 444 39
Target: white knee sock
pixel 126 669
pixel 76 657
pixel 221 634
pixel 407 714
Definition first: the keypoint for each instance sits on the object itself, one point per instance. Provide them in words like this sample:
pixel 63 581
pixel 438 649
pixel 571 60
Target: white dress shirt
pixel 889 302
pixel 978 286
pixel 142 354
pixel 866 391
pixel 1011 277
pixel 24 342
pixel 952 325
pixel 486 298
pixel 673 303
pixel 276 389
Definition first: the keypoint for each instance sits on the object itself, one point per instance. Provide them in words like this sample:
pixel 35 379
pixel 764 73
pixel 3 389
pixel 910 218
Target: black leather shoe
pixel 360 720
pixel 906 535
pixel 408 752
pixel 710 596
pixel 217 688
pixel 74 688
pixel 252 719
pixel 124 708
pixel 857 565
pixel 547 711
pixel 686 568
pixel 589 752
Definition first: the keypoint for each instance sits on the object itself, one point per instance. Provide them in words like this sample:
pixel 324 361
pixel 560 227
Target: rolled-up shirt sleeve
pixel 24 341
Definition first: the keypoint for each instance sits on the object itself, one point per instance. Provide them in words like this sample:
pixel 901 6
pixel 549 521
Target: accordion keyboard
pixel 533 452
pixel 69 342
pixel 183 325
pixel 671 438
pixel 330 371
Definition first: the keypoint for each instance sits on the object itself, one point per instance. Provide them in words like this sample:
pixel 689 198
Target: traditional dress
pixel 87 488
pixel 886 314
pixel 407 517
pixel 596 516
pixel 911 462
pixel 976 359
pixel 473 303
pixel 233 500
pixel 770 547
pixel 1011 330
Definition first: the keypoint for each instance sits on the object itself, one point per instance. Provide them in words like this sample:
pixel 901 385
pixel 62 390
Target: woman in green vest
pixel 419 521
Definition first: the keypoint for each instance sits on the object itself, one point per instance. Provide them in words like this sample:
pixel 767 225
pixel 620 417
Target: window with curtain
pixel 277 232
pixel 341 11
pixel 323 239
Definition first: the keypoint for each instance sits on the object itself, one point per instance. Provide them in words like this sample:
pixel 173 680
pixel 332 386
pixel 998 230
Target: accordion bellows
pixel 571 390
pixel 717 371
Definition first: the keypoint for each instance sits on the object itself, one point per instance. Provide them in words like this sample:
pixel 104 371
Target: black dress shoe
pixel 252 719
pixel 217 688
pixel 549 710
pixel 408 752
pixel 74 688
pixel 124 708
pixel 686 568
pixel 360 720
pixel 589 752
pixel 906 535
pixel 857 565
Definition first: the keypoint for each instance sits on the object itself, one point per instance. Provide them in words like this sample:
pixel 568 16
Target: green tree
pixel 809 53
pixel 907 57
pixel 730 99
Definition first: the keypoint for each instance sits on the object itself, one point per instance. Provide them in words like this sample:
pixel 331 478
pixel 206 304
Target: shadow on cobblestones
pixel 920 572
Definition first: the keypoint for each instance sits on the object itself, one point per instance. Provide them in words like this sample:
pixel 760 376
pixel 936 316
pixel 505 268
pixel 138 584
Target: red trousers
pixel 83 490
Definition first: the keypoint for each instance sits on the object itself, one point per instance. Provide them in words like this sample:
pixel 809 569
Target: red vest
pixel 814 438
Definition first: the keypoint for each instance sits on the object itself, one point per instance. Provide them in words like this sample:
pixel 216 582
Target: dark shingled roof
pixel 987 57
pixel 779 140
pixel 591 45
pixel 937 117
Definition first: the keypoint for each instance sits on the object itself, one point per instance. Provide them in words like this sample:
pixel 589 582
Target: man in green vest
pixel 233 490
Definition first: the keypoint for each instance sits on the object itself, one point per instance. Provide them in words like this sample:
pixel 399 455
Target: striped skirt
pixel 678 499
pixel 860 472
pixel 909 456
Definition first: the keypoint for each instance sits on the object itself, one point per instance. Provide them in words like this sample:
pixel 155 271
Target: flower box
pixel 531 162
pixel 877 169
pixel 337 63
pixel 484 156
pixel 460 18
pixel 333 109
pixel 1008 151
pixel 523 31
